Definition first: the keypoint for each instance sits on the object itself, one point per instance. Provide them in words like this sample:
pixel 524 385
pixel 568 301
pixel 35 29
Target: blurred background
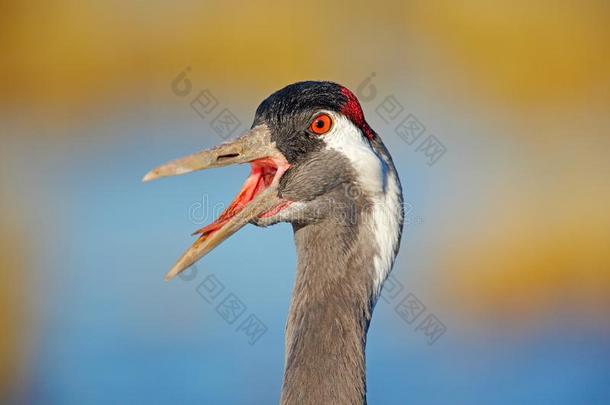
pixel 507 242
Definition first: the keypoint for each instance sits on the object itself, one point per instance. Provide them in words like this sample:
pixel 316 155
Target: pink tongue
pixel 252 185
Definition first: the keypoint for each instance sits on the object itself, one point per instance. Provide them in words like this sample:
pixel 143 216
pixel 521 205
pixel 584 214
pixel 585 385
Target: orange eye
pixel 321 124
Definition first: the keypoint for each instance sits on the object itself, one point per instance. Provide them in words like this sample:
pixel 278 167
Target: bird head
pixel 312 155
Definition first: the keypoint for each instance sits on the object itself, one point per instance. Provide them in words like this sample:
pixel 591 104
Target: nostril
pixel 227 156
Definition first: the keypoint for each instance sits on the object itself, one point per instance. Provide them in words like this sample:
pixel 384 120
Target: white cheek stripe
pixel 387 215
pixel 380 183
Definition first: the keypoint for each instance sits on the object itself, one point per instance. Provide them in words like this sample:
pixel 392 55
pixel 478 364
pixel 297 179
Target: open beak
pixel 257 198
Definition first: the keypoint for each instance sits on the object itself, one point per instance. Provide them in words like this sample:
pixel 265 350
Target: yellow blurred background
pixel 517 238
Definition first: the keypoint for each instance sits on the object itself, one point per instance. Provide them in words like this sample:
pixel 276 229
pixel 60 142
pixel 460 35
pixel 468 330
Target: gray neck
pixel 329 316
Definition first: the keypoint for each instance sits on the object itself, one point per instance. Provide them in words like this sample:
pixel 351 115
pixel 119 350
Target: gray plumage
pixel 334 292
pixel 317 164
